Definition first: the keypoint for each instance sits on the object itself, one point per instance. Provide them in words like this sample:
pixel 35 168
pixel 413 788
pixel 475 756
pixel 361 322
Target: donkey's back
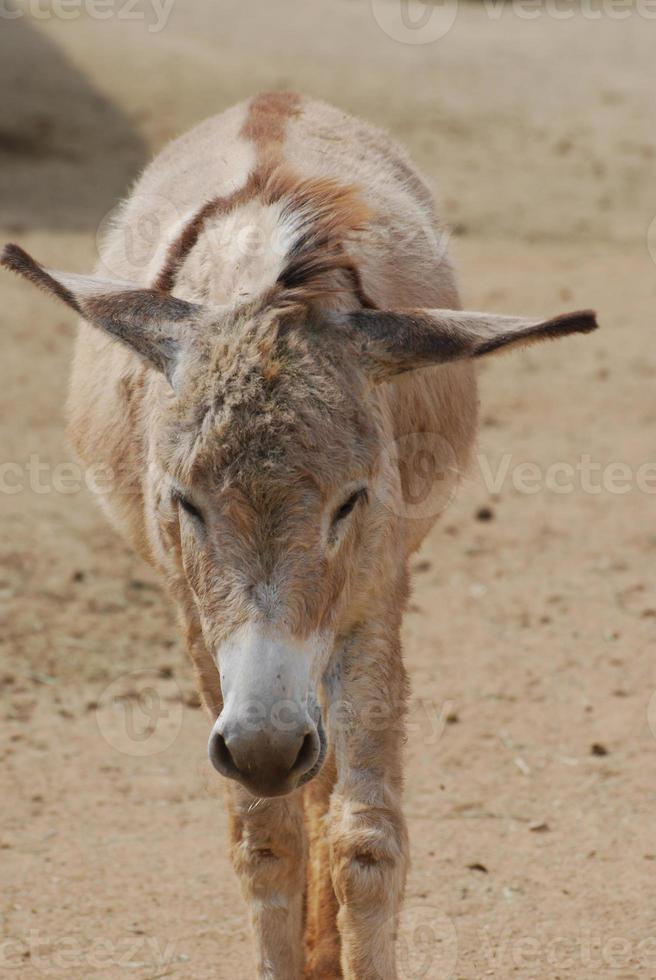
pixel 402 257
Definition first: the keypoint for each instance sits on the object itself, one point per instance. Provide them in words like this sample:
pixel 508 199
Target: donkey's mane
pixel 321 211
pixel 323 214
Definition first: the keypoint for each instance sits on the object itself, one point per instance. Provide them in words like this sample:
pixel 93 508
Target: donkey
pixel 258 385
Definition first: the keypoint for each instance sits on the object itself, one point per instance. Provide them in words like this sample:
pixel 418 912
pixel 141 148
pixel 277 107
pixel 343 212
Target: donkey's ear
pixel 392 343
pixel 152 323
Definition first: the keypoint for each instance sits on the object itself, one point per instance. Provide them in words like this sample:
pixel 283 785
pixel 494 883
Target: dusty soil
pixel 531 790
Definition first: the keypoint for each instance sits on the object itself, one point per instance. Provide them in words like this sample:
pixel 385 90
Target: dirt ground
pixel 531 760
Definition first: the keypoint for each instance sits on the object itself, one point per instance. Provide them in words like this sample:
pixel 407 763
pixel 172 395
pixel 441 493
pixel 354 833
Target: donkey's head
pixel 266 474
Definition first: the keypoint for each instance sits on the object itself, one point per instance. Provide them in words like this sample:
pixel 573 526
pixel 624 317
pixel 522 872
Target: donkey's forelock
pixel 277 395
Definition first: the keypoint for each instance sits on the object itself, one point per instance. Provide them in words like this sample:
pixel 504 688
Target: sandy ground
pixel 531 790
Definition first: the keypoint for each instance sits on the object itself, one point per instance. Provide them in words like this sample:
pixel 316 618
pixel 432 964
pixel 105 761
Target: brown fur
pixel 268 115
pixel 330 213
pixel 265 127
pixel 275 415
pixel 583 321
pixel 394 342
pixel 182 246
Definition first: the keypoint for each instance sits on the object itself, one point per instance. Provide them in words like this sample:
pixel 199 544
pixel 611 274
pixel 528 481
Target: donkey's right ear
pixel 150 322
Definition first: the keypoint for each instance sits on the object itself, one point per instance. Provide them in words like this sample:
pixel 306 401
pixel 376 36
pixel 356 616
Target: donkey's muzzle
pixel 267 762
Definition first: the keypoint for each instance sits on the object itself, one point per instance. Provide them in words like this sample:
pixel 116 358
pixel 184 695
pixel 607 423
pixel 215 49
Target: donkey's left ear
pixel 391 343
pixel 153 324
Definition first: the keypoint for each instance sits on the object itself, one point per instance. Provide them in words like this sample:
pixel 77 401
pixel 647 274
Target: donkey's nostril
pixel 220 755
pixel 307 754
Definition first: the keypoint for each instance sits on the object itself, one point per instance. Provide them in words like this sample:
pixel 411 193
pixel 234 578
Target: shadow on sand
pixel 67 154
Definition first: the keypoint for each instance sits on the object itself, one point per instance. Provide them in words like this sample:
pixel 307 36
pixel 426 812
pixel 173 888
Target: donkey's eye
pixel 187 506
pixel 345 509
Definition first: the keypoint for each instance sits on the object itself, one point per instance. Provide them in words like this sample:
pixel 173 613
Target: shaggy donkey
pixel 253 386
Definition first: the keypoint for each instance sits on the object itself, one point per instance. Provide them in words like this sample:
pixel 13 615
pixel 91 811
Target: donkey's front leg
pixel 368 837
pixel 269 853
